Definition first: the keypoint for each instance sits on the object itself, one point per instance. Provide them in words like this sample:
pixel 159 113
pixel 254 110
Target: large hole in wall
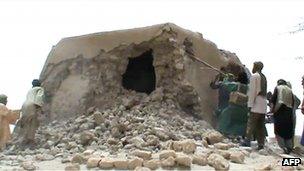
pixel 140 73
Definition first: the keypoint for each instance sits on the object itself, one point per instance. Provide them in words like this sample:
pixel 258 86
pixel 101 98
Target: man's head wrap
pixel 259 65
pixel 36 83
pixel 289 84
pixel 269 95
pixel 3 98
pixel 281 82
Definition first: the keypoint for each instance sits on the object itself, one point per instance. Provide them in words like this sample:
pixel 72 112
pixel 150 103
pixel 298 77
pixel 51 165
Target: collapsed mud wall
pixel 88 71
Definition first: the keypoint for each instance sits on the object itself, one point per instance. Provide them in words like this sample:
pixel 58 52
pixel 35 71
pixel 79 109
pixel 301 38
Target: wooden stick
pixel 205 63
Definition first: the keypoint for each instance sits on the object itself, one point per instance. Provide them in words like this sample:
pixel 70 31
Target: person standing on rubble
pixel 233 119
pixel 283 102
pixel 302 110
pixel 296 104
pixel 31 109
pixel 6 117
pixel 257 105
pixel 223 94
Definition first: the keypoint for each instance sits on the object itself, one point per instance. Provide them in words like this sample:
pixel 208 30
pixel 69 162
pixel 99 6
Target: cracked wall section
pixel 74 85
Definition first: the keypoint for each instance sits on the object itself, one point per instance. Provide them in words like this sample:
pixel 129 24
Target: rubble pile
pixel 138 121
pixel 144 132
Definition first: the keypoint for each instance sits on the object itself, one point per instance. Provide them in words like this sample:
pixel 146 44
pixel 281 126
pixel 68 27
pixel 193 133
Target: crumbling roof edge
pixel 160 26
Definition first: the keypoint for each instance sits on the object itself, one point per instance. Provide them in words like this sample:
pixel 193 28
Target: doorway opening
pixel 140 73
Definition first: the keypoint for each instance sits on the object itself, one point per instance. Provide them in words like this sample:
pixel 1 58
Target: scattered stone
pixel 183 160
pixel 135 162
pixel 237 157
pixel 218 162
pixel 72 167
pixel 86 137
pixel 137 141
pixel 91 110
pixel 221 146
pixel 168 162
pixel 200 159
pixel 54 151
pixel 226 154
pixel 142 169
pixel 121 164
pixel 177 146
pixel 157 94
pixel 71 145
pixel 146 155
pixel 205 143
pixel 106 163
pixel 188 146
pixel 48 144
pixel 161 134
pixel 115 132
pixel 98 118
pixel 167 153
pixel 129 102
pixel 88 152
pixel 213 137
pixel 112 141
pixel 77 158
pixel 152 164
pixel 263 167
pixel 93 162
pixel 152 140
pixel 66 160
pixel 44 157
pixel 28 165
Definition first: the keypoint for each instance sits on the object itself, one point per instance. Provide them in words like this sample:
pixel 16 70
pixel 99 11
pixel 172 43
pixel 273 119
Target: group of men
pixel 282 102
pixel 27 125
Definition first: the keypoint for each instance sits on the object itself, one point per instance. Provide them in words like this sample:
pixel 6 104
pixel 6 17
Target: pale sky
pixel 254 30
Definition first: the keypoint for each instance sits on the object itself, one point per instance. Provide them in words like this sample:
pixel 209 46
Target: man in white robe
pixel 257 104
pixel 31 109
